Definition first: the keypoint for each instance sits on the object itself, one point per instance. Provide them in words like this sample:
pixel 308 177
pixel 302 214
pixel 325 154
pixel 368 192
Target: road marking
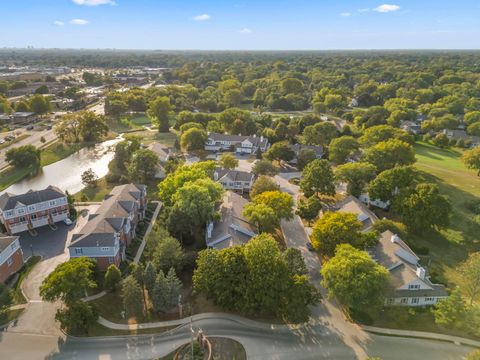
pixel 35 301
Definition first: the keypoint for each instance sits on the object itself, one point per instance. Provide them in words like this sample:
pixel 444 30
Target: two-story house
pixel 33 209
pixel 241 181
pixel 11 256
pixel 238 143
pixel 353 205
pixel 410 284
pixel 111 228
pixel 297 148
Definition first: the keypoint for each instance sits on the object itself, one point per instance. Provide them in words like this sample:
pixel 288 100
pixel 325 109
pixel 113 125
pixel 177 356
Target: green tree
pixel 340 149
pixel 143 165
pixel 305 157
pixel 392 182
pixel 318 178
pixel 228 161
pixel 424 207
pixel 281 202
pixel 132 296
pixel 309 209
pixel 356 175
pixel 92 126
pixel 291 86
pixel 150 276
pixel 474 129
pixel 262 216
pixel 42 89
pixel 124 151
pixel 39 104
pixel 380 133
pixel 389 154
pixel 441 140
pixel 280 151
pixel 168 253
pixel 264 167
pixel 470 271
pixel 451 312
pixel 69 281
pixel 473 355
pixel 174 286
pixel 77 317
pixel 335 228
pixel 112 278
pixel 354 278
pixel 321 133
pixel 262 184
pixel 22 106
pixel 471 159
pixel 89 178
pixel 294 260
pixel 193 139
pixel 23 156
pixel 159 111
pixel 158 293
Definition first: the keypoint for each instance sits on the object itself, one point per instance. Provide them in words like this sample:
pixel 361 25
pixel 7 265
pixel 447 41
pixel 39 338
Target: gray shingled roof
pixel 109 217
pixel 8 201
pixel 255 140
pixel 6 241
pixel 235 175
pixel 438 290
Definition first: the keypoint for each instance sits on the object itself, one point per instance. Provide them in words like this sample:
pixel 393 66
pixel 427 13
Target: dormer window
pixel 52 203
pixel 21 210
pixel 31 208
pixel 413 287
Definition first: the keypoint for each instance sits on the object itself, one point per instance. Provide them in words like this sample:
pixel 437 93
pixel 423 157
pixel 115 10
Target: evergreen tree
pixel 159 291
pixel 132 297
pixel 150 276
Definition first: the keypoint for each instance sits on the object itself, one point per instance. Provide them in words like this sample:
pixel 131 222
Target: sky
pixel 241 24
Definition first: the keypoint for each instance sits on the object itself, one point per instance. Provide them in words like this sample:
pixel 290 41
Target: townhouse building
pixel 237 143
pixel 33 209
pixel 111 228
pixel 11 256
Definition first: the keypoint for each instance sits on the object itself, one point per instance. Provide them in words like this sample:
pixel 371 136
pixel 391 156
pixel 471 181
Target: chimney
pixel 395 238
pixel 261 138
pixel 421 272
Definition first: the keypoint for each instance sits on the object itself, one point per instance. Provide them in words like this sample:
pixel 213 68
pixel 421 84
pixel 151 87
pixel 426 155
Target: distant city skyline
pixel 241 25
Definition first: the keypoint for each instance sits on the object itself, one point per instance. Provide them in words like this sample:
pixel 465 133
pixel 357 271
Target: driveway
pixel 39 316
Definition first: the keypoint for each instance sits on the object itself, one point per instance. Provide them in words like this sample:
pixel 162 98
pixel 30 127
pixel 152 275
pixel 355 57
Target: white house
pixel 238 143
pixel 236 180
pixel 409 281
pixel 385 205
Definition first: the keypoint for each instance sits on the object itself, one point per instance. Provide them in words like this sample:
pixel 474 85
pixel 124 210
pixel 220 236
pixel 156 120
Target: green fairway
pixel 450 246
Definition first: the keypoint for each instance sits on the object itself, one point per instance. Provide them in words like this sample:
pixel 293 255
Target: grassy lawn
pixel 167 139
pixel 12 175
pixel 450 246
pixel 121 125
pixel 96 193
pixel 9 315
pixel 58 151
pixel 140 120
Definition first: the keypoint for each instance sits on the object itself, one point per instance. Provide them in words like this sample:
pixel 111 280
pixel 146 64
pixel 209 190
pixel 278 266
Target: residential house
pixel 462 135
pixel 33 209
pixel 411 127
pixel 353 205
pixel 410 284
pixel 163 154
pixel 236 180
pixel 384 205
pixel 111 228
pixel 238 143
pixel 232 228
pixel 318 150
pixel 11 256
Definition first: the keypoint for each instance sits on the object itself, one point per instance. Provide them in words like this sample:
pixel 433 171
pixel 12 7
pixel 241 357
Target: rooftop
pixel 9 201
pixel 353 205
pixel 6 241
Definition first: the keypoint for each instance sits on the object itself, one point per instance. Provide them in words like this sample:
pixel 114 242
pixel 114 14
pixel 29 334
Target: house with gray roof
pixel 111 228
pixel 297 148
pixel 232 228
pixel 163 154
pixel 237 143
pixel 236 180
pixel 353 205
pixel 11 256
pixel 410 284
pixel 462 135
pixel 33 209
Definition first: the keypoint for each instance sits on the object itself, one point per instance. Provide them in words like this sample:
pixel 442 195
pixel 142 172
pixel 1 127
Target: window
pixel 413 287
pixel 78 251
pixel 52 203
pixel 429 299
pixel 105 248
pixel 9 261
pixel 31 208
pixel 33 216
pixel 403 300
pixel 21 211
pixel 13 246
pixel 390 301
pixel 22 219
pixel 110 260
pixel 414 301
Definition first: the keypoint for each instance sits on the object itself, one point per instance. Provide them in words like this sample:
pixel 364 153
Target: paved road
pixel 33 139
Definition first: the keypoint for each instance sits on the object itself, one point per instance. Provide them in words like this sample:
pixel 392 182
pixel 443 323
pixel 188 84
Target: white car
pixel 67 221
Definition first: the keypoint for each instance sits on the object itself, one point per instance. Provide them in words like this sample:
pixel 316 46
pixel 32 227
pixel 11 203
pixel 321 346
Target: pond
pixel 66 173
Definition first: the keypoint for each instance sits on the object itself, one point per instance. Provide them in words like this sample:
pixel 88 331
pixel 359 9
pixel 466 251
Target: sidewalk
pixel 421 335
pixel 149 229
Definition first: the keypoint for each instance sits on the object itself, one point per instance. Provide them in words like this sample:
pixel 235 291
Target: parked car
pixel 2 141
pixel 29 127
pixel 68 222
pixel 310 246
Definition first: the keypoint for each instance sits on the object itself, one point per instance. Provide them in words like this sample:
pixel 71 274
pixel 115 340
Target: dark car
pixel 310 246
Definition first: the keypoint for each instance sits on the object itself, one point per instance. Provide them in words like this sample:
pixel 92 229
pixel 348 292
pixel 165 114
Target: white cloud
pixel 346 14
pixel 79 22
pixel 364 10
pixel 202 17
pixel 58 23
pixel 246 31
pixel 94 2
pixel 385 8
